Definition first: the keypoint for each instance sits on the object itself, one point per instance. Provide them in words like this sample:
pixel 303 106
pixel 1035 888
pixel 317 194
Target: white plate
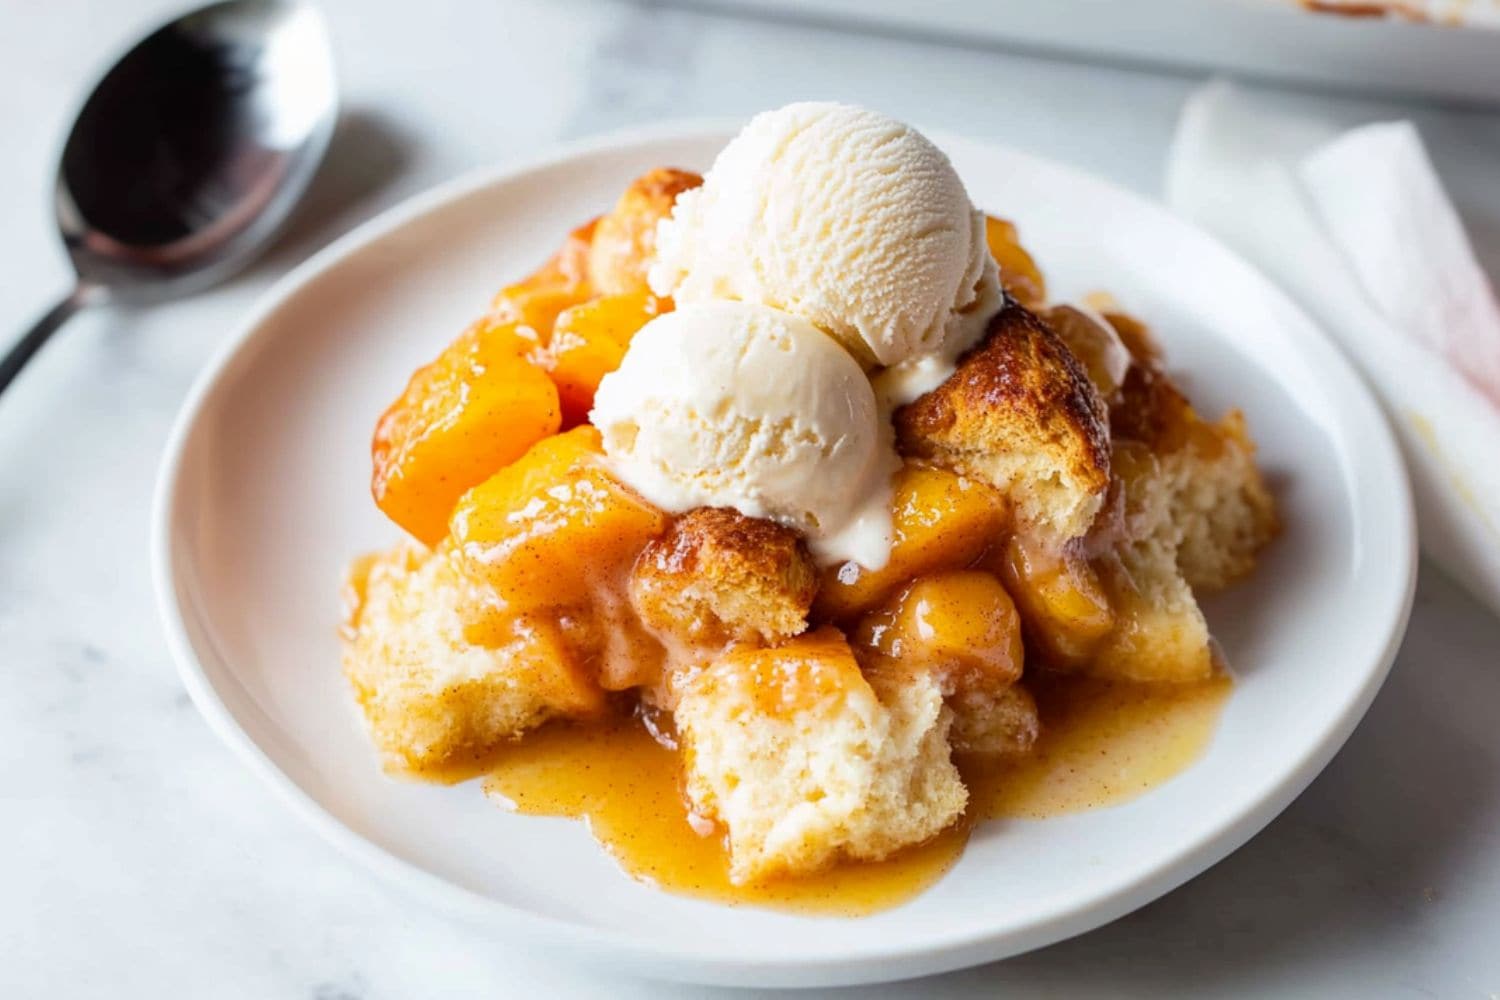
pixel 263 497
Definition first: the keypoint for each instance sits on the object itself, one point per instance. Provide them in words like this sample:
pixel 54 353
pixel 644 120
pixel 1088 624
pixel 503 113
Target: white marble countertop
pixel 138 859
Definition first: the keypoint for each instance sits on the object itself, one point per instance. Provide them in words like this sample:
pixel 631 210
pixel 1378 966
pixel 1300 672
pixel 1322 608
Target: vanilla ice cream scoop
pixel 842 216
pixel 729 404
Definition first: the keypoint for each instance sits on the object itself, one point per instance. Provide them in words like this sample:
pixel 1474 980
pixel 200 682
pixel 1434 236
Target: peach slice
pixel 589 341
pixel 1062 601
pixel 788 678
pixel 941 521
pixel 549 530
pixel 472 411
pixel 962 623
pixel 1018 272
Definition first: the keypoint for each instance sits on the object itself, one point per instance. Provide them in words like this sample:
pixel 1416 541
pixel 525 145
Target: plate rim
pixel 887 960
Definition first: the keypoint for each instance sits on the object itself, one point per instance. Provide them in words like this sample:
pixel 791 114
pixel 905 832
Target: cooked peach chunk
pixel 534 303
pixel 1094 343
pixel 941 521
pixel 490 336
pixel 534 308
pixel 1018 272
pixel 624 244
pixel 551 670
pixel 546 531
pixel 961 629
pixel 961 622
pixel 588 342
pixel 611 640
pixel 788 678
pixel 471 412
pixel 1065 608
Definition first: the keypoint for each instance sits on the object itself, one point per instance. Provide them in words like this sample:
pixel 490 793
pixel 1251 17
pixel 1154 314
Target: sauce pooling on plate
pixel 1101 744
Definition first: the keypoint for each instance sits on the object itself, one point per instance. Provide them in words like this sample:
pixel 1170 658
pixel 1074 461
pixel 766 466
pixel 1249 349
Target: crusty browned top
pixel 752 576
pixel 1150 409
pixel 703 539
pixel 1020 383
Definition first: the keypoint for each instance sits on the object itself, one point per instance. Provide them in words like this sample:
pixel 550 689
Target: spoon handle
pixel 28 345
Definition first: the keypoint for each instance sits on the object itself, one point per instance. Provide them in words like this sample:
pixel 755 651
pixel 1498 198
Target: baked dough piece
pixel 991 716
pixel 1002 721
pixel 431 697
pixel 804 761
pixel 1155 499
pixel 1190 512
pixel 717 575
pixel 1212 494
pixel 1020 415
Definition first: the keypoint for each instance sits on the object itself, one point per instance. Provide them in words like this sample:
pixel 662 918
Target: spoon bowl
pixel 189 155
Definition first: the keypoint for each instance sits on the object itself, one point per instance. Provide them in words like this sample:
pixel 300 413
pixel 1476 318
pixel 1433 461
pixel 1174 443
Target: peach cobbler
pixel 792 478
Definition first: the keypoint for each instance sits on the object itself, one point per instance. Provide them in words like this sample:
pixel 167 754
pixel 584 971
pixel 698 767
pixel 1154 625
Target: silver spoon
pixel 188 156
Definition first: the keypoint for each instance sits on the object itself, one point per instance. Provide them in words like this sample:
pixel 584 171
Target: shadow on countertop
pixel 367 155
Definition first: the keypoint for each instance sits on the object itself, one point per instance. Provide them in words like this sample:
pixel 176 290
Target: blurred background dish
pixel 1447 49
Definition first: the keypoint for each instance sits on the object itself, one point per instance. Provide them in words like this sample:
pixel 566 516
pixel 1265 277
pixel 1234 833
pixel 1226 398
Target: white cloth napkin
pixel 1357 227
